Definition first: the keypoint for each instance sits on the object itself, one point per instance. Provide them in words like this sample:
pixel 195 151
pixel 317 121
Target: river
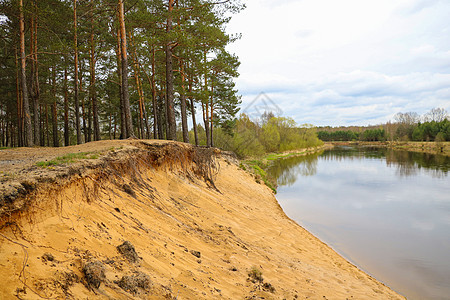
pixel 388 212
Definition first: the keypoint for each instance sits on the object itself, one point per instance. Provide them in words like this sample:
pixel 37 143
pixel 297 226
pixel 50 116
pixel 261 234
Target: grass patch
pixel 67 159
pixel 257 167
pixel 255 275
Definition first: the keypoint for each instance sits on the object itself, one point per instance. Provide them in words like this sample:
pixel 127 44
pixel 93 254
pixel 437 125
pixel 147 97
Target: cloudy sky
pixel 347 62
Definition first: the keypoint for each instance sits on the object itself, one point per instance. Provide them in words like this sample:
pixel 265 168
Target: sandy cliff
pixel 188 222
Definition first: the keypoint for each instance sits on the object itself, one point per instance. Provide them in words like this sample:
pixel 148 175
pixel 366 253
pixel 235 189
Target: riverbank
pixel 258 165
pixel 155 219
pixel 441 148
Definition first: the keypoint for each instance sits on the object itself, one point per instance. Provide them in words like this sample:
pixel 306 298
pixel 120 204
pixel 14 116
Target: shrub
pixel 255 275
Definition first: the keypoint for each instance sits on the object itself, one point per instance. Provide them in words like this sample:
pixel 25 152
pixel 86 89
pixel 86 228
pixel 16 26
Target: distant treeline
pixel 427 131
pixel 370 135
pixel 433 126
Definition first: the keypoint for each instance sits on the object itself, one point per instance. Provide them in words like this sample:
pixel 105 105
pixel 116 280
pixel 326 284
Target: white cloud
pixel 416 6
pixel 345 62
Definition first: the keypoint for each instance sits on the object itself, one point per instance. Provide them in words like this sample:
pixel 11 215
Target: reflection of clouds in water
pixel 286 171
pixel 358 205
pixel 423 225
pixel 411 163
pixel 446 219
pixel 407 163
pixel 375 203
pixel 430 281
pixel 406 170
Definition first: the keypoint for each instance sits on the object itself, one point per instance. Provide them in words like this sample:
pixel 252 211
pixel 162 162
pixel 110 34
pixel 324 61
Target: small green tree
pixel 270 137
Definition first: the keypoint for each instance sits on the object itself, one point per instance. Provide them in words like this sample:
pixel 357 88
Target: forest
pixel 75 71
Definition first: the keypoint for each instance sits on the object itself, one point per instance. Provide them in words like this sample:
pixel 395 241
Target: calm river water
pixel 388 212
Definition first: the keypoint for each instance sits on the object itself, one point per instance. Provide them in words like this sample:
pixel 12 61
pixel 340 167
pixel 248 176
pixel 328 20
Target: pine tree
pixel 128 129
pixel 80 64
pixel 26 104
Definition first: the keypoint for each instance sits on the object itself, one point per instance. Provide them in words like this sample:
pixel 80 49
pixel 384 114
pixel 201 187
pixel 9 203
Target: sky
pixel 347 62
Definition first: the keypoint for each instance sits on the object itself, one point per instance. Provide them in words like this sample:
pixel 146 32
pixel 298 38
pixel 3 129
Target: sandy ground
pixel 192 241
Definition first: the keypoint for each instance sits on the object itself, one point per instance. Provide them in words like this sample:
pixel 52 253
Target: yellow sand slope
pixel 193 241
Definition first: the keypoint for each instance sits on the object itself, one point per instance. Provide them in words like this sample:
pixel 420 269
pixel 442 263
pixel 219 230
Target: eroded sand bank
pixel 194 239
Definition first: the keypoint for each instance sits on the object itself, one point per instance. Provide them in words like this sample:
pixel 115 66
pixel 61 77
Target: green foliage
pixel 261 174
pixel 67 159
pixel 409 127
pixel 373 135
pixel 430 131
pixel 440 137
pixel 203 69
pixel 340 135
pixel 270 137
pixel 248 138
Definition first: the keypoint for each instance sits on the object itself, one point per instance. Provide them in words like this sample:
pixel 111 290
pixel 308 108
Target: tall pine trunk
pixel 110 126
pixel 76 87
pixel 171 122
pixel 89 120
pixel 83 109
pixel 205 106
pixel 85 125
pixel 35 74
pixel 183 106
pixel 26 104
pixel 47 129
pixel 153 85
pixel 92 89
pixel 151 81
pixel 211 107
pixel 119 75
pixel 55 125
pixel 54 110
pixel 66 110
pixel 162 126
pixel 194 123
pixel 42 125
pixel 205 110
pixel 126 97
pixel 19 105
pixel 137 78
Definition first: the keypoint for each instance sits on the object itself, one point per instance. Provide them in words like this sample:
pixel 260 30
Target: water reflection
pixel 407 163
pixel 387 211
pixel 348 152
pixel 287 170
pixel 410 163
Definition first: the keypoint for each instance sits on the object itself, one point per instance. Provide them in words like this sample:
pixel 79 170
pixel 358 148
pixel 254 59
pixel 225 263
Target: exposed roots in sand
pixel 192 162
pixel 123 169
